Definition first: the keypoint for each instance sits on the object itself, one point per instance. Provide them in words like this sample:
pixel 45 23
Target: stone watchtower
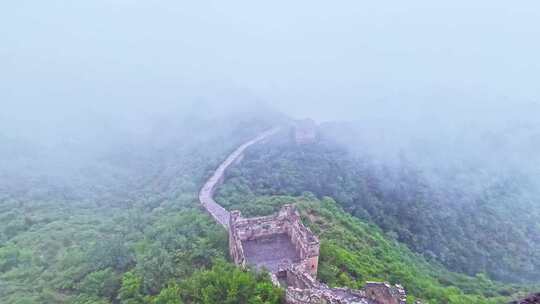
pixel 281 244
pixel 305 132
pixel 273 241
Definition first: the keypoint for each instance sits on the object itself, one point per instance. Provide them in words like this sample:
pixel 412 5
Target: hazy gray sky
pixel 325 59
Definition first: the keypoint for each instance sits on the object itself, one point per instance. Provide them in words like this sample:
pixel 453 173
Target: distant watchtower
pixel 305 132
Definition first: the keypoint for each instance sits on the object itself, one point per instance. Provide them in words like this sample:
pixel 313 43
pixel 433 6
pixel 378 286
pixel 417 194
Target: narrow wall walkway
pixel 206 195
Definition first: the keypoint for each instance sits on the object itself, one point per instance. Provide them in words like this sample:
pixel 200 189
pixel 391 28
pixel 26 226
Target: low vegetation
pixel 353 252
pixel 470 219
pixel 124 226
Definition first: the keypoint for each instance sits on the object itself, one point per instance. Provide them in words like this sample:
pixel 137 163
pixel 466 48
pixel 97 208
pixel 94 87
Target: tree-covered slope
pixel 123 224
pixel 494 231
pixel 353 252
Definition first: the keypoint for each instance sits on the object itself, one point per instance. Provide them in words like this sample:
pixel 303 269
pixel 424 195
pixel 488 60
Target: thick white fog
pixel 406 72
pixel 422 168
pixel 345 60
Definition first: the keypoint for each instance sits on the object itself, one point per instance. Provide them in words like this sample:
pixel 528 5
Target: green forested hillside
pixel 353 252
pixel 124 225
pixel 120 222
pixel 492 230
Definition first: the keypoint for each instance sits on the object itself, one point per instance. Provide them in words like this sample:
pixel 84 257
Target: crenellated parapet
pixel 385 293
pixel 206 194
pixel 303 289
pixel 284 246
pixel 286 222
pixel 305 131
pixel 236 249
pixel 299 271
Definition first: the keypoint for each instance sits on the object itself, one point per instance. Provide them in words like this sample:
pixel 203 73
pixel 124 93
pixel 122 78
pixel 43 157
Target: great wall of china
pixel 206 195
pixel 281 244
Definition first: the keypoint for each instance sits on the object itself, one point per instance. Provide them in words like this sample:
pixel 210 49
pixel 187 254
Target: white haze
pixel 105 100
pixel 347 59
pixel 417 71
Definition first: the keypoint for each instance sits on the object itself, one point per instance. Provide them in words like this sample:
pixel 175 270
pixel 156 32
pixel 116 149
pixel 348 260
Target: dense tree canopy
pixel 120 222
pixel 353 252
pixel 124 225
pixel 493 230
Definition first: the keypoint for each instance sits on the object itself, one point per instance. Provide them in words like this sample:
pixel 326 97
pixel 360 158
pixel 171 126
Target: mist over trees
pixel 113 113
pixel 469 204
pixel 113 217
pixel 106 209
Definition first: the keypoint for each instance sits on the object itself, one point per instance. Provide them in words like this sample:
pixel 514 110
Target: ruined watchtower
pixel 273 242
pixel 305 131
pixel 281 244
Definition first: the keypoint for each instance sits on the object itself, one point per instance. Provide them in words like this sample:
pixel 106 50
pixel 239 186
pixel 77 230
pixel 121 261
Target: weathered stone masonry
pixel 206 195
pixel 286 222
pixel 305 132
pixel 281 244
pixel 296 269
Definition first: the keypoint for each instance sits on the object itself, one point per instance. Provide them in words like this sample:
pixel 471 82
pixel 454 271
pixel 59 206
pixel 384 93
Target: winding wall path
pixel 206 195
